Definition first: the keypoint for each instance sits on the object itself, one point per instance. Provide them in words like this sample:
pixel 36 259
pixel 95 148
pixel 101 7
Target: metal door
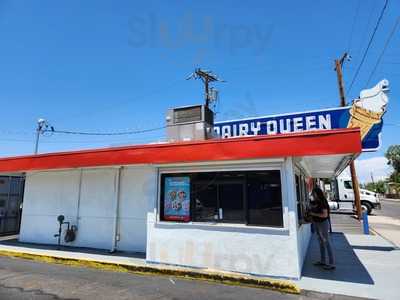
pixel 11 196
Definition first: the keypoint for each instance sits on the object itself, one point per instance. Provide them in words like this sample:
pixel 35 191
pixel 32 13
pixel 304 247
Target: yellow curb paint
pixel 273 284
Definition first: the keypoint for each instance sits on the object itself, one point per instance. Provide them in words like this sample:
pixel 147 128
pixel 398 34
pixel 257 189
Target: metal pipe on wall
pixel 117 186
pixel 79 197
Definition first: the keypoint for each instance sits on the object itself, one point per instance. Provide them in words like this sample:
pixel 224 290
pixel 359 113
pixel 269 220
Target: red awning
pixel 324 142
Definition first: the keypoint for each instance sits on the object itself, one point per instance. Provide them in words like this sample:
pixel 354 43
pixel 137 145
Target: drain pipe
pixel 116 213
pixel 78 205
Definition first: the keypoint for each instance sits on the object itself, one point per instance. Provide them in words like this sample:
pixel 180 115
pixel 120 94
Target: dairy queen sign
pixel 365 113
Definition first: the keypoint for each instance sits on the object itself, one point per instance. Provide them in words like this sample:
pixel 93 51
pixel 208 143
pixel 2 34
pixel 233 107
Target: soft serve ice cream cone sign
pixel 365 113
pixel 368 110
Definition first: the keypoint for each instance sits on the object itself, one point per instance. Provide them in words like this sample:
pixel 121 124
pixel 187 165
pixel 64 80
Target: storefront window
pixel 248 197
pixel 205 201
pixel 303 200
pixel 299 200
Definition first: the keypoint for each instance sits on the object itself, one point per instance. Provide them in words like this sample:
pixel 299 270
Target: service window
pixel 264 198
pixel 303 200
pixel 241 197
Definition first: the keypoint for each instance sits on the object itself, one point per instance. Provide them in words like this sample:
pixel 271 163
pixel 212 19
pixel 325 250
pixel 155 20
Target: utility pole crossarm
pixel 206 77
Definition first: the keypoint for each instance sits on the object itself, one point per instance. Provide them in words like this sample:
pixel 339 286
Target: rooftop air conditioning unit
pixel 190 123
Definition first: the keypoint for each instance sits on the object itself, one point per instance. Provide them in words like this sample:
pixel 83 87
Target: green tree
pixel 378 186
pixel 393 156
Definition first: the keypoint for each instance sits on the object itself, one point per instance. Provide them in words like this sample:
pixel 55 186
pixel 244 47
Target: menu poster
pixel 177 198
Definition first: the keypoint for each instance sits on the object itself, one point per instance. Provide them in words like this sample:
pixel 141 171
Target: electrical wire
pixel 353 26
pixel 365 32
pixel 118 104
pixel 383 50
pixel 105 133
pixel 368 46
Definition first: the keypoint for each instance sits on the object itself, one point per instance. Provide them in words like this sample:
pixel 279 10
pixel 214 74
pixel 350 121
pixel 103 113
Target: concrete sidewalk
pixel 366 266
pixel 134 263
pixel 386 222
pixel 387 227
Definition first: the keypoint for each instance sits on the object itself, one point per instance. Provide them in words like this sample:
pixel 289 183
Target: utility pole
pixel 207 77
pixel 356 188
pixel 338 68
pixel 42 126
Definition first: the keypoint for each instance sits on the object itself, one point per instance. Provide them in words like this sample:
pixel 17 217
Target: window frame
pixel 304 193
pixel 277 165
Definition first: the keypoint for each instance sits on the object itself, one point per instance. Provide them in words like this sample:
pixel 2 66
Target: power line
pixel 118 105
pixel 365 34
pixel 384 49
pixel 106 133
pixel 353 26
pixel 368 46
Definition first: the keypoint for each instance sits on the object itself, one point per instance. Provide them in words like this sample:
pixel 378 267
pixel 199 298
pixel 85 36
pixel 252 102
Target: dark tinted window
pixel 205 201
pixel 299 199
pixel 231 202
pixel 264 198
pixel 252 197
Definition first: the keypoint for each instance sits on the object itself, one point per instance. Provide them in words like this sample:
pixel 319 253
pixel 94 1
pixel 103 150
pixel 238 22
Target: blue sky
pixel 118 65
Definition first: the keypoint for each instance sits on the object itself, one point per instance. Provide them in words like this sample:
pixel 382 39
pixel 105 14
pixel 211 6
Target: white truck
pixel 342 196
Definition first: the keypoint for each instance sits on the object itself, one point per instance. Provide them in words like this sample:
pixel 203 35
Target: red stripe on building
pixel 325 142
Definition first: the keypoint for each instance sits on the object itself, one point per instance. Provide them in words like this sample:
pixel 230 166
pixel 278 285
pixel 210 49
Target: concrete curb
pixel 385 238
pixel 391 199
pixel 211 276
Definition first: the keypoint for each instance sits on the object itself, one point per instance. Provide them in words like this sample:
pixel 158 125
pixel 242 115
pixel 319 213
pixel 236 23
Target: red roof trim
pixel 324 142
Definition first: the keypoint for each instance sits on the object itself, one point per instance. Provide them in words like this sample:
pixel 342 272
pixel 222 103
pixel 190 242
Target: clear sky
pixel 118 65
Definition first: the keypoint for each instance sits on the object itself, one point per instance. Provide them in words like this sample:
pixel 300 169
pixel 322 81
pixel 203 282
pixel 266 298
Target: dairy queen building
pixel 228 196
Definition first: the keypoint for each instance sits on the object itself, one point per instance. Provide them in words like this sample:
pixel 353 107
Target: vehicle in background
pixel 341 196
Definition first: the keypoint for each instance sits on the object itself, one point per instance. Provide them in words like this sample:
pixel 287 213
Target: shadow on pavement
pixel 374 248
pixel 348 213
pixel 348 267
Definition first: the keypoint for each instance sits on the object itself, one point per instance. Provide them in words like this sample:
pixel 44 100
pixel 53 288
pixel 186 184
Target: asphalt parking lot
pixel 25 279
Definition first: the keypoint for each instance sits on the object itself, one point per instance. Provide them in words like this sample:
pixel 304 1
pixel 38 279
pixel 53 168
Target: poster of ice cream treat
pixel 368 110
pixel 177 198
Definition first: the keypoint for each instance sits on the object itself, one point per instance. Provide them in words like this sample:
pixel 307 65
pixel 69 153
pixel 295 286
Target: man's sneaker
pixel 319 264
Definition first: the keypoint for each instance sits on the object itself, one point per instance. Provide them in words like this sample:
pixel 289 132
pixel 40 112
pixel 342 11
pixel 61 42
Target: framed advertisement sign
pixel 177 198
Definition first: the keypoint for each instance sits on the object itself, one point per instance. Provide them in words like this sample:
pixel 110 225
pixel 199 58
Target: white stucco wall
pixel 304 236
pixel 304 230
pixel 138 190
pixel 88 199
pixel 47 195
pixel 239 248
